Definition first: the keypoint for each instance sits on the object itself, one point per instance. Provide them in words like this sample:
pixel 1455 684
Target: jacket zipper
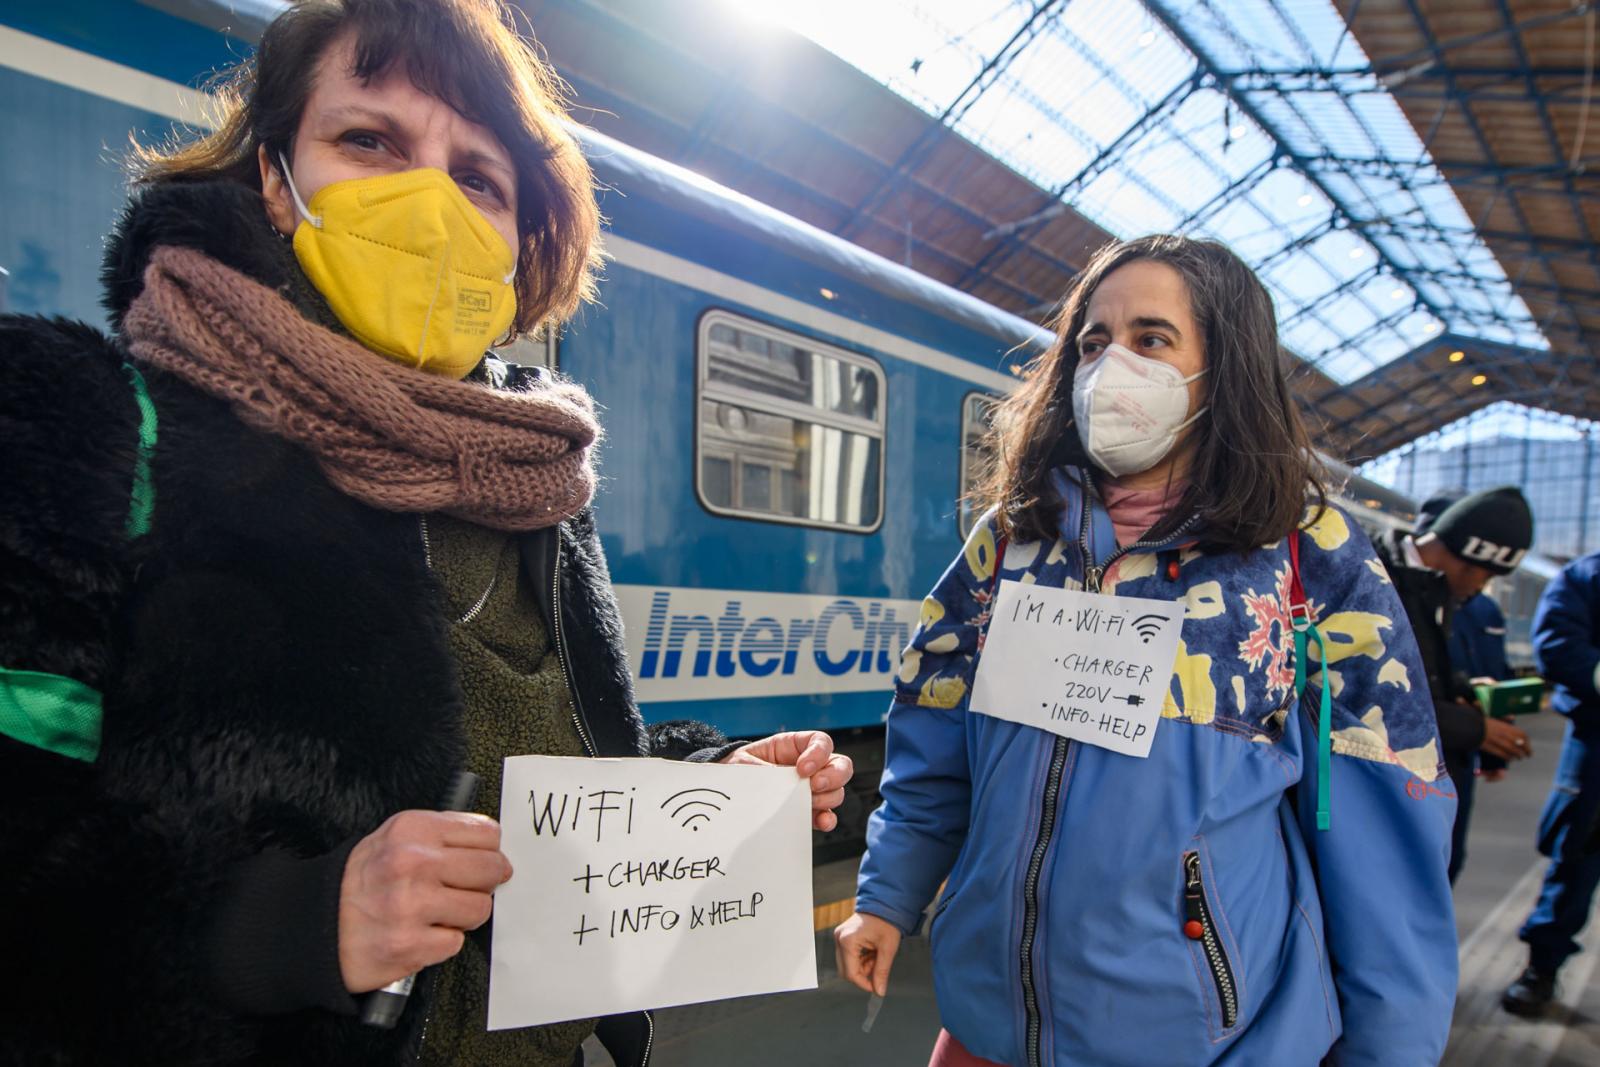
pixel 1200 927
pixel 649 1038
pixel 560 642
pixel 1092 575
pixel 1030 891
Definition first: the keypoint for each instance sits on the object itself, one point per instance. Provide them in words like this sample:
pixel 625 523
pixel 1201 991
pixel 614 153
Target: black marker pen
pixel 382 1007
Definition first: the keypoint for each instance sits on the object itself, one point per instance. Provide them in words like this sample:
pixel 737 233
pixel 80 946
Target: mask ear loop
pixel 299 205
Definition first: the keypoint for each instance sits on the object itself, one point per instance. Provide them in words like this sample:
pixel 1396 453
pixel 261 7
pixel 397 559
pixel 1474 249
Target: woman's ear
pixel 275 194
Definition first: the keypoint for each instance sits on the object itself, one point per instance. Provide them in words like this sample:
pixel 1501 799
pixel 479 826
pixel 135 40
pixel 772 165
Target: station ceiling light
pixel 1457 356
pixel 1479 379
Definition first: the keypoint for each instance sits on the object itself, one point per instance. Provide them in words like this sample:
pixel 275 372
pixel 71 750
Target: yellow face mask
pixel 409 266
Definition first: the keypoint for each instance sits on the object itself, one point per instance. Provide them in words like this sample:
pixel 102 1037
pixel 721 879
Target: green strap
pixel 48 711
pixel 1324 721
pixel 143 499
pixel 59 714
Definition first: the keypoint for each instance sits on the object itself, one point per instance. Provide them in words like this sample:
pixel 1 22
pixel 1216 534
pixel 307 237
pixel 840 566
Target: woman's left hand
pixel 810 752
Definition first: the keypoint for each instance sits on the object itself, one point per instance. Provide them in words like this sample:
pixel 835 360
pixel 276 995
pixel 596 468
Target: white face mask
pixel 1130 410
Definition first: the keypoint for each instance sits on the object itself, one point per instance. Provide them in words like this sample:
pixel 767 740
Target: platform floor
pixel 1495 892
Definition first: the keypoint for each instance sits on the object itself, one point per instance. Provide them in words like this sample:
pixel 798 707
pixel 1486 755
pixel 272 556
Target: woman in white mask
pixel 1221 855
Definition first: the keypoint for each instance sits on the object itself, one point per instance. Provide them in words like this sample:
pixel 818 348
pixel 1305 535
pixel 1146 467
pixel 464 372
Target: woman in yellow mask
pixel 288 550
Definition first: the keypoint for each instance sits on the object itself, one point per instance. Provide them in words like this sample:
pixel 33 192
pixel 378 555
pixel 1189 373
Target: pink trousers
pixel 948 1052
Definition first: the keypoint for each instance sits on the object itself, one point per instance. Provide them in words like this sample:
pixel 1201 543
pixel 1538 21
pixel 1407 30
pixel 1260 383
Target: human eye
pixel 1089 349
pixel 1152 340
pixel 363 141
pixel 477 185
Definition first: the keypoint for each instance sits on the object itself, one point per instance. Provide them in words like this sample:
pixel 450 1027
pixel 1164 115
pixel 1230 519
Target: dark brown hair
pixel 1253 468
pixel 466 53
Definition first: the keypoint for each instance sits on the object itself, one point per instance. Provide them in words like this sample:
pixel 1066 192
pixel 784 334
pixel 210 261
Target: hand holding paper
pixel 810 752
pixel 410 890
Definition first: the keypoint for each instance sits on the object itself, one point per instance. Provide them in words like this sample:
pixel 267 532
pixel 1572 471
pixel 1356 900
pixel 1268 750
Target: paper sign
pixel 1087 666
pixel 643 883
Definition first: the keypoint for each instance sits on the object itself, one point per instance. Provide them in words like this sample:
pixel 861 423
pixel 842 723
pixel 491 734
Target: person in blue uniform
pixel 1566 640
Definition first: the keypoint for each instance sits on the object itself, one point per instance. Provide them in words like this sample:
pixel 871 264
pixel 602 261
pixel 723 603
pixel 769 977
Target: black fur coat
pixel 276 683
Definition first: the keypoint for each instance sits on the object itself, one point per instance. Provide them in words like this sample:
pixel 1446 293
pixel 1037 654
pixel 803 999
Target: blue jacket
pixel 1060 938
pixel 1478 639
pixel 1566 641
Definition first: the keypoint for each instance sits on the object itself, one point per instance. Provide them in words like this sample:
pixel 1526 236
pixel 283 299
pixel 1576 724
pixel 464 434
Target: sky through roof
pixel 1368 254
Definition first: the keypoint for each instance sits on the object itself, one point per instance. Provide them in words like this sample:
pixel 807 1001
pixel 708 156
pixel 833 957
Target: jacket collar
pixel 223 219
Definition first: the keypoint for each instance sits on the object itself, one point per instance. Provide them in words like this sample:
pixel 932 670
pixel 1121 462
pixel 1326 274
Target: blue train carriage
pixel 791 422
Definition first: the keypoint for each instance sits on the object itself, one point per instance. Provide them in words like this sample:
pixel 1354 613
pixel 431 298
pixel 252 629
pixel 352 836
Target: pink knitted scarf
pixel 390 436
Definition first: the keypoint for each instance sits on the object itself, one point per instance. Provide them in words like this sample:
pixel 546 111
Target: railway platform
pixel 1493 896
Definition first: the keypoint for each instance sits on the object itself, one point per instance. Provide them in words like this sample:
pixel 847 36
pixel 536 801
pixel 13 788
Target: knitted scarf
pixel 390 436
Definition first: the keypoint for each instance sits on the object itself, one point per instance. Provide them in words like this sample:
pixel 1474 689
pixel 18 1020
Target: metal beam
pixel 1514 30
pixel 1175 26
pixel 1435 48
pixel 1369 79
pixel 1565 293
pixel 1557 151
pixel 1013 234
pixel 919 149
pixel 1240 186
pixel 1348 286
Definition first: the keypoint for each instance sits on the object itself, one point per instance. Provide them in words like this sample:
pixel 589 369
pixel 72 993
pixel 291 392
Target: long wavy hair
pixel 467 53
pixel 1254 470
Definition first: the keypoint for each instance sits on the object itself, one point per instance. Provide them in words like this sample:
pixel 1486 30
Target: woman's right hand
pixel 411 890
pixel 865 946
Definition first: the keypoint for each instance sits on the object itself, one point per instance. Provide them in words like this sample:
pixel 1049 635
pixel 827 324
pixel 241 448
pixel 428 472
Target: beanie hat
pixel 1493 529
pixel 1433 507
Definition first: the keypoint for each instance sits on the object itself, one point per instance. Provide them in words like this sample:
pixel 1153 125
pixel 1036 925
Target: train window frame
pixel 966 516
pixel 705 389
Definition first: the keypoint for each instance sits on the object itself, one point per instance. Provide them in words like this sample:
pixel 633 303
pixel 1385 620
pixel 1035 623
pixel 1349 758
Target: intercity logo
pixel 697 644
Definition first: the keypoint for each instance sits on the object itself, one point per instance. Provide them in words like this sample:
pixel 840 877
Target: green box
pixel 1520 696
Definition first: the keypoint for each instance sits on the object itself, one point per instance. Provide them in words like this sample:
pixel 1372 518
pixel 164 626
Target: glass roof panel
pixel 1047 85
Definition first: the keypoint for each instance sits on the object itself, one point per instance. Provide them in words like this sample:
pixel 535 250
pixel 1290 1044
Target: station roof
pixel 1410 183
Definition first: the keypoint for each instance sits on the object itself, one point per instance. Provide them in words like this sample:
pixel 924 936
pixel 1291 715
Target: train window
pixel 790 429
pixel 540 350
pixel 977 413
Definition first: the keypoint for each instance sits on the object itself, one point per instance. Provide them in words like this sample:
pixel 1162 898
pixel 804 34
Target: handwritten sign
pixel 644 883
pixel 1091 667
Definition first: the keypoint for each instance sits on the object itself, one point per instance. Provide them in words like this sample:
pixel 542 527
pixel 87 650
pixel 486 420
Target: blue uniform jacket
pixel 1064 935
pixel 1478 639
pixel 1566 641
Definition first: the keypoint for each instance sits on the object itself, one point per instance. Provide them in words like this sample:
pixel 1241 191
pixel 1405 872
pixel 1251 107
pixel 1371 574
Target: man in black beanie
pixel 1434 570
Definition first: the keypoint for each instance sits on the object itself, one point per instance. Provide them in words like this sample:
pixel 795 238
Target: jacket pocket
pixel 1200 927
pixel 945 897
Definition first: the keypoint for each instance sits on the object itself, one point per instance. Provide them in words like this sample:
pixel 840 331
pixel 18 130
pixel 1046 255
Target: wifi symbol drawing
pixel 694 802
pixel 1147 626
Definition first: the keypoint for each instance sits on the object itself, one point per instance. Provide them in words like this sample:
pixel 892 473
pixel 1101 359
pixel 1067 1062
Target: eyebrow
pixel 1143 322
pixel 475 157
pixel 360 113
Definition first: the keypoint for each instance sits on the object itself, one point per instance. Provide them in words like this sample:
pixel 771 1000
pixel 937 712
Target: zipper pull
pixel 1194 925
pixel 1092 576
